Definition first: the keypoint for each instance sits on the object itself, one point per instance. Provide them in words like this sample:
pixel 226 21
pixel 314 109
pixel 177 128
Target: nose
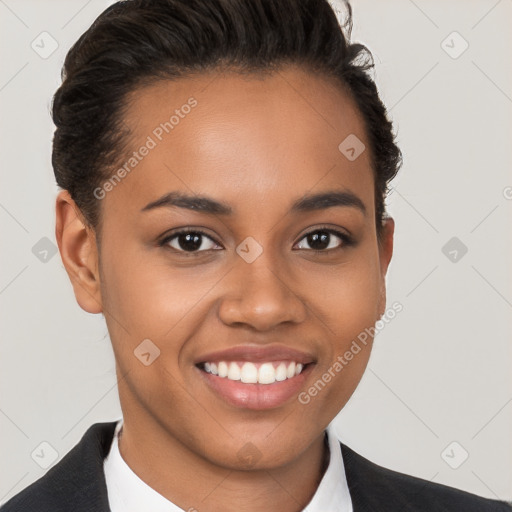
pixel 260 296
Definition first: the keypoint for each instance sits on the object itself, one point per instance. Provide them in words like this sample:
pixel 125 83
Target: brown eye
pixel 190 241
pixel 324 240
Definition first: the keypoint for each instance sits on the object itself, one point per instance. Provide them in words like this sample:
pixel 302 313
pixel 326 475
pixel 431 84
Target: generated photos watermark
pixel 342 360
pixel 152 141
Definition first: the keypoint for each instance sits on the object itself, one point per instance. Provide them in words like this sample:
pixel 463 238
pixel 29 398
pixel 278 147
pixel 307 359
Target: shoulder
pixel 76 483
pixel 375 488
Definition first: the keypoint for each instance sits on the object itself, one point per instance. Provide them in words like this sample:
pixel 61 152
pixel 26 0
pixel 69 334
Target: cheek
pixel 350 297
pixel 349 305
pixel 144 297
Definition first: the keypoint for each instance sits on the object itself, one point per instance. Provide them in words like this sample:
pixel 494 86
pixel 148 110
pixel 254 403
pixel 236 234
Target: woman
pixel 224 166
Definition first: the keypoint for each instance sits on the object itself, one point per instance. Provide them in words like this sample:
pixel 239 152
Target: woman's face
pixel 262 280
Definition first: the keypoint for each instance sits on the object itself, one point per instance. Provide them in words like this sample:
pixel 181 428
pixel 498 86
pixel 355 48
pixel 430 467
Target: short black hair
pixel 140 42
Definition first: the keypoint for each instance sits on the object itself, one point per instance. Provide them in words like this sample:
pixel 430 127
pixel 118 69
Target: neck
pixel 193 483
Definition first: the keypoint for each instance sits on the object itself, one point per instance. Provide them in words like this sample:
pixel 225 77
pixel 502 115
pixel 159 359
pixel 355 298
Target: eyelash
pixel 346 240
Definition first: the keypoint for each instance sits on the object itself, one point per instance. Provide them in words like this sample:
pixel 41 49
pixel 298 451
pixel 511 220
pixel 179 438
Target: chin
pixel 259 451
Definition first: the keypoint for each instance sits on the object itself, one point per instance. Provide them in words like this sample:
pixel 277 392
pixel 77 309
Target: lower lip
pixel 256 396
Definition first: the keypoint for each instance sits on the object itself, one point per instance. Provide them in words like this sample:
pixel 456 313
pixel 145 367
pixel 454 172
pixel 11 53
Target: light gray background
pixel 439 372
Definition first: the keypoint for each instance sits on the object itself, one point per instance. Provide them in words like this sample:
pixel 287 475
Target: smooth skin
pixel 257 144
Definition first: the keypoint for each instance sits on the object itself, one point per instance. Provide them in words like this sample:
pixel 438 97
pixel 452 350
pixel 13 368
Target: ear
pixel 77 246
pixel 385 254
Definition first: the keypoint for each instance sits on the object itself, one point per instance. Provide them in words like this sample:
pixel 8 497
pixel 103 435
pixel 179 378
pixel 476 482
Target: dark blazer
pixel 77 484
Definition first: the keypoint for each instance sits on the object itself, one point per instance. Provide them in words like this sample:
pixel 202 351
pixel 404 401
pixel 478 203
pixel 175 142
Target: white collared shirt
pixel 128 493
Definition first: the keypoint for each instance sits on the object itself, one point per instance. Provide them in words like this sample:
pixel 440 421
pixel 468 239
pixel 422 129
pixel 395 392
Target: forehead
pixel 229 135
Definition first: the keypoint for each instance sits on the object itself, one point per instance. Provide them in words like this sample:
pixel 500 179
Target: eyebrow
pixel 306 203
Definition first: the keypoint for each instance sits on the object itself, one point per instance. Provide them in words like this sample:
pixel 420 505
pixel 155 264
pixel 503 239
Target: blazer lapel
pixel 89 489
pixel 377 489
pixel 76 483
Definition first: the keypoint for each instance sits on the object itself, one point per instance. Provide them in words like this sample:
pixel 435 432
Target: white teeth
pixel 290 371
pixel 249 373
pixel 281 372
pixel 266 373
pixel 223 369
pixel 234 372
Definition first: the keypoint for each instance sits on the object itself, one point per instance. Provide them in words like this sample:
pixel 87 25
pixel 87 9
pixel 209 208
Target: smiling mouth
pixel 248 372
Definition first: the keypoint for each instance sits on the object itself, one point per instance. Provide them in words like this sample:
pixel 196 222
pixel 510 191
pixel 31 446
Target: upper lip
pixel 258 354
